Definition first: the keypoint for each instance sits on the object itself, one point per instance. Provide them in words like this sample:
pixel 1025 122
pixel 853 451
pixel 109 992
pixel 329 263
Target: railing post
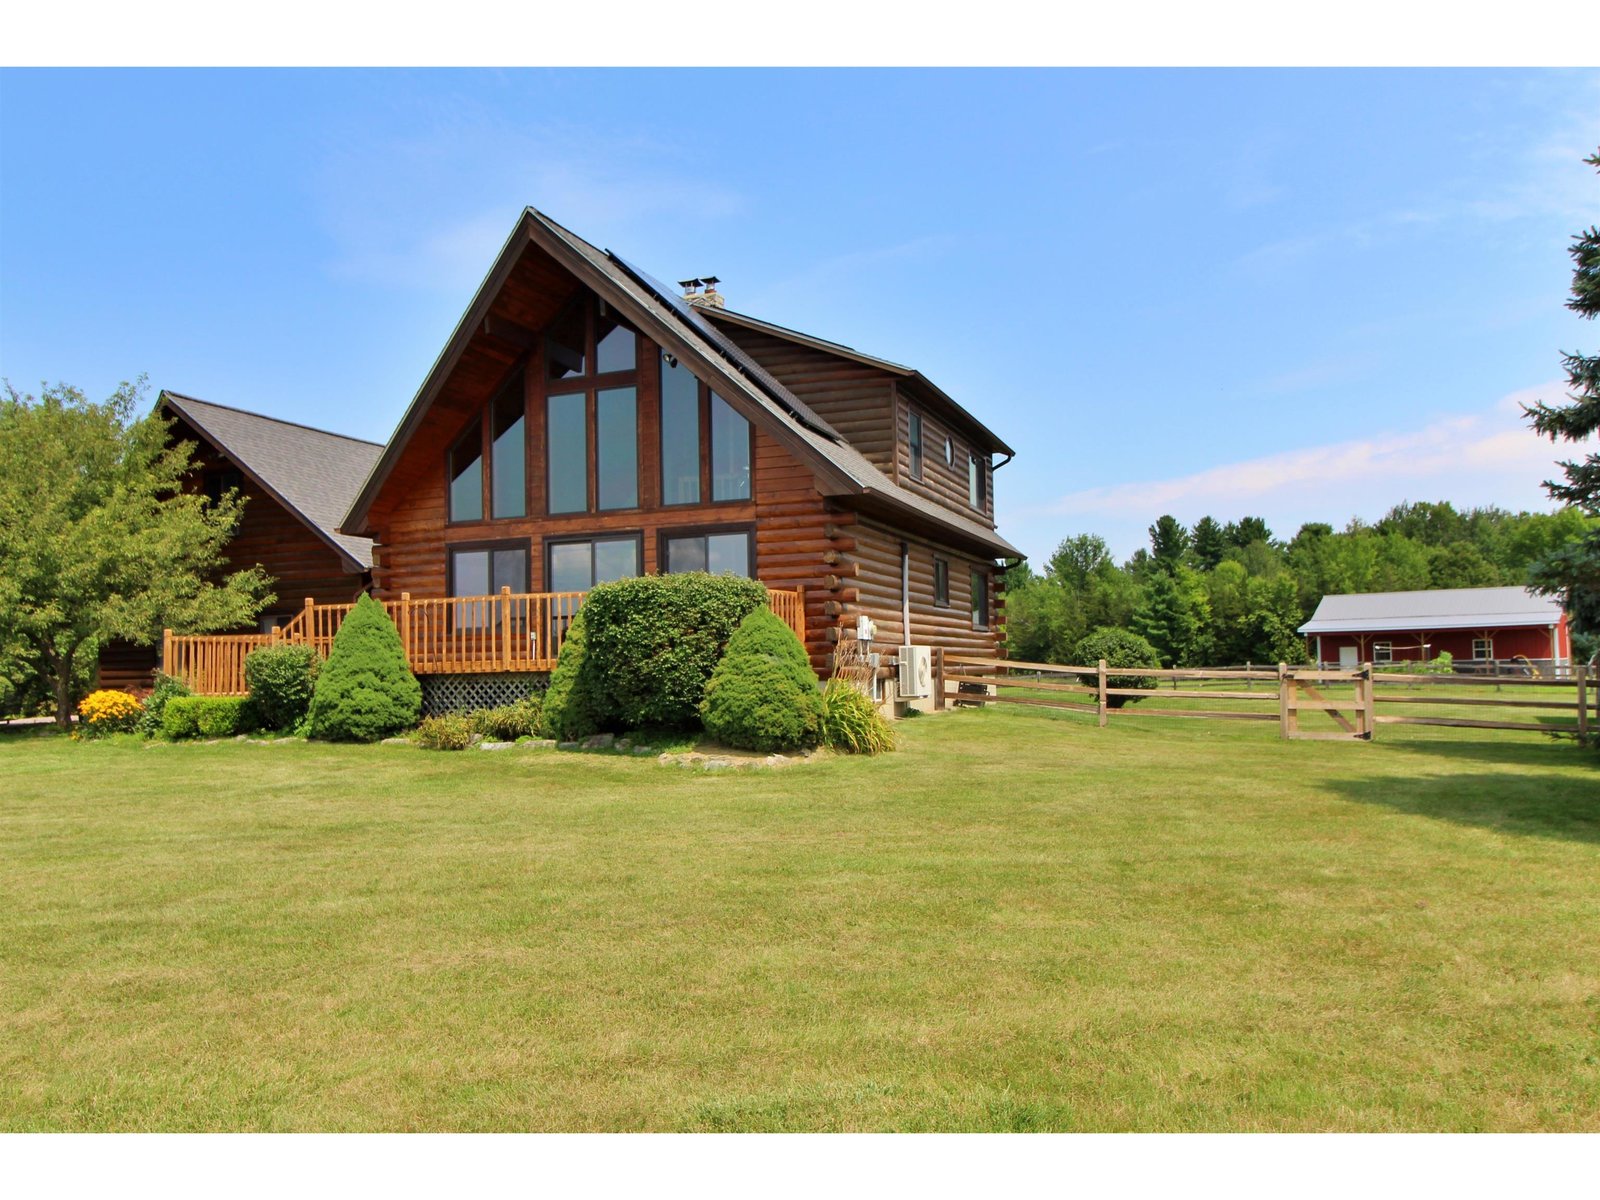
pixel 800 612
pixel 405 629
pixel 166 652
pixel 938 679
pixel 1284 683
pixel 505 627
pixel 1102 694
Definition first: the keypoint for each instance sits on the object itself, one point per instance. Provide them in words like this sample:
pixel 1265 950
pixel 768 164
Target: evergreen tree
pixel 1575 568
pixel 1174 617
pixel 1249 529
pixel 1209 543
pixel 1168 542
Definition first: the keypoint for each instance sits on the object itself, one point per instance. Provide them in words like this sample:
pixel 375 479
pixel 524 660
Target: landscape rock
pixel 600 741
pixel 495 745
pixel 568 746
pixel 395 741
pixel 538 744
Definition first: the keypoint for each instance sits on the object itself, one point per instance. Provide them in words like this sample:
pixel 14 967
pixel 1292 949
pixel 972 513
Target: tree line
pixel 1225 594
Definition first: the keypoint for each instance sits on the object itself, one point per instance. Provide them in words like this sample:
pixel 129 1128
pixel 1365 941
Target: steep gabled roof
pixel 919 382
pixel 683 331
pixel 312 473
pixel 1443 608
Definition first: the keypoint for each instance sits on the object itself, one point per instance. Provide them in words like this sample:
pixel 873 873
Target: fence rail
pixel 1308 702
pixel 506 633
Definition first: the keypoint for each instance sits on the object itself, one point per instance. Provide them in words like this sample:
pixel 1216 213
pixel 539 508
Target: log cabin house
pixel 297 483
pixel 585 423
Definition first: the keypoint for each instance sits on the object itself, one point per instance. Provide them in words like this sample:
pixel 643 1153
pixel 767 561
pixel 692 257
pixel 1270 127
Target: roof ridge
pixel 268 417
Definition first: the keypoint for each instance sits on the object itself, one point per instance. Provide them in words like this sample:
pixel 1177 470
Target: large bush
pixel 1120 648
pixel 763 695
pixel 282 680
pixel 572 705
pixel 653 642
pixel 208 716
pixel 365 691
pixel 851 722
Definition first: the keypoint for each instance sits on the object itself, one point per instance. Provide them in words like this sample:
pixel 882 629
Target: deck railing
pixel 511 632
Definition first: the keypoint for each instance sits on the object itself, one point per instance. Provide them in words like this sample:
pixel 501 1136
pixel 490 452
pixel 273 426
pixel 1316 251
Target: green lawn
pixel 1018 922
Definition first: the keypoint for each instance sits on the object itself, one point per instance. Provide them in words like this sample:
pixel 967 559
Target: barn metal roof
pixel 1443 608
pixel 311 472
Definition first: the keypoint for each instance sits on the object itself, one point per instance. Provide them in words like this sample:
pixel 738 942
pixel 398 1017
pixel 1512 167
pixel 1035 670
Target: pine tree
pixel 1168 542
pixel 1210 543
pixel 1575 569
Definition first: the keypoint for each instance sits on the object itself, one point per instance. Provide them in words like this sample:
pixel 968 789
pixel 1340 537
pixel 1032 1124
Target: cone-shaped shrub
pixel 365 690
pixel 572 707
pixel 763 694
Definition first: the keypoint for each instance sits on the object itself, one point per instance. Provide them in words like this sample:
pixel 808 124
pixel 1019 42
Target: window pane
pixel 980 601
pixel 730 452
pixel 507 476
pixel 616 559
pixel 680 434
pixel 470 576
pixel 563 349
pixel 941 582
pixel 568 473
pixel 915 442
pixel 728 554
pixel 510 570
pixel 617 433
pixel 686 554
pixel 614 346
pixel 571 567
pixel 974 482
pixel 466 476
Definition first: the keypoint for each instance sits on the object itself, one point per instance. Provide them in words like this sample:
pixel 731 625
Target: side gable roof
pixel 312 473
pixel 1441 608
pixel 679 329
pixel 920 383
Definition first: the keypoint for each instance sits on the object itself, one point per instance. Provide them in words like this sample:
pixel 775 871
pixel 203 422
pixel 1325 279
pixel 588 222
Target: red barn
pixel 1486 627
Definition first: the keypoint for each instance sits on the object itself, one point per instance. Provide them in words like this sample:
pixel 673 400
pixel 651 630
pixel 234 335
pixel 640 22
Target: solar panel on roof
pixel 726 346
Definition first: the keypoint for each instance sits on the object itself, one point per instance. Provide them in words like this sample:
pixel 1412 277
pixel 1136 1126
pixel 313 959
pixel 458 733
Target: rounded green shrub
pixel 851 722
pixel 167 687
pixel 365 691
pixel 207 716
pixel 763 694
pixel 1120 648
pixel 754 702
pixel 572 706
pixel 282 680
pixel 652 643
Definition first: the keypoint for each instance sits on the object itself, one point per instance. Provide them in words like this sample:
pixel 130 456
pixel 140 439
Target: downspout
pixel 905 593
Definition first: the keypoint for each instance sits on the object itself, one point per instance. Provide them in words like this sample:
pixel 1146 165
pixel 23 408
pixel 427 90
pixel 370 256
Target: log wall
pixel 941 481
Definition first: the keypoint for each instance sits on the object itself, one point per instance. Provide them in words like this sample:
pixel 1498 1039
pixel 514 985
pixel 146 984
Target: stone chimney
pixel 710 298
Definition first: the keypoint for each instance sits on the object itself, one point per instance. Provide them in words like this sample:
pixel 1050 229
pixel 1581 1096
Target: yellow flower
pixel 109 711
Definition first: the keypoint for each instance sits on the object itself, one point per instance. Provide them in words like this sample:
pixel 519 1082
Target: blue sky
pixel 1304 294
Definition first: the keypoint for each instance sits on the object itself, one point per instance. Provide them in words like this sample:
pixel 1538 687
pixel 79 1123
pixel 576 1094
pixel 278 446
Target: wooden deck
pixel 510 633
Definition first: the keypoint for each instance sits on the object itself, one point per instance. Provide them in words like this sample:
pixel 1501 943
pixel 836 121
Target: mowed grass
pixel 1018 922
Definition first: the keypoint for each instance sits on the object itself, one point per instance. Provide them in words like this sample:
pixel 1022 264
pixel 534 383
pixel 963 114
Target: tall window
pixel 975 481
pixel 508 477
pixel 617 448
pixel 941 582
pixel 466 475
pixel 615 347
pixel 576 566
pixel 567 475
pixel 980 600
pixel 914 440
pixel 730 452
pixel 719 553
pixel 680 433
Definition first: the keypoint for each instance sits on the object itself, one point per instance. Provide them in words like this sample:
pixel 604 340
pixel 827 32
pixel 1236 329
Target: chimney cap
pixel 689 285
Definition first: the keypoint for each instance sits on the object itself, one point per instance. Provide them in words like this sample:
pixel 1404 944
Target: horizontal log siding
pixel 876 561
pixel 856 399
pixel 942 482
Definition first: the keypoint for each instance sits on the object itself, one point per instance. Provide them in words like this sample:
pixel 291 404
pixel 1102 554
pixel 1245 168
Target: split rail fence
pixel 507 633
pixel 1307 703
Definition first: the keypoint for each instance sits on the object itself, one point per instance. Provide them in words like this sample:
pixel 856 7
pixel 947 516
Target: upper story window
pixel 700 427
pixel 508 475
pixel 591 433
pixel 941 582
pixel 218 484
pixel 466 475
pixel 975 482
pixel 949 453
pixel 914 441
pixel 577 565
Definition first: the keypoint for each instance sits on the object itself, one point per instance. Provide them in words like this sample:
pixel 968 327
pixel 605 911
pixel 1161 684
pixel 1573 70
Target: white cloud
pixel 1488 457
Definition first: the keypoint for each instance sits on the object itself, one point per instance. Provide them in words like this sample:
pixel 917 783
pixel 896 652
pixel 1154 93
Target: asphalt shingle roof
pixel 314 473
pixel 1444 608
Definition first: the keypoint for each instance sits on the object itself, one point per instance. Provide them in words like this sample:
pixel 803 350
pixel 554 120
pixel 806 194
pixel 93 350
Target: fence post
pixel 1583 705
pixel 938 679
pixel 1102 694
pixel 1283 700
pixel 1369 705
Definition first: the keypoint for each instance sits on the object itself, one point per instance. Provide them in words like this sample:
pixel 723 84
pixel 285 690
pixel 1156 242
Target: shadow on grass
pixel 1522 803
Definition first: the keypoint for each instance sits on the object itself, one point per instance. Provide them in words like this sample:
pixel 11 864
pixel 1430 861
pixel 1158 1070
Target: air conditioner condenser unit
pixel 916 671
